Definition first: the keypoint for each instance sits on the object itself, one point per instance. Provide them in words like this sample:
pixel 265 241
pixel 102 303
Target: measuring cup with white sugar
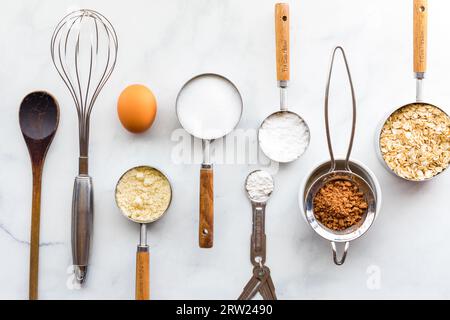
pixel 143 195
pixel 283 136
pixel 208 106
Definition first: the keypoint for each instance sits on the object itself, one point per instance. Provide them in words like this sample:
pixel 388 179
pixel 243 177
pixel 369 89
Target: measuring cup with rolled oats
pixel 414 141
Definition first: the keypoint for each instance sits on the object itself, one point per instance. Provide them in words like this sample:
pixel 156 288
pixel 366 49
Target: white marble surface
pixel 162 44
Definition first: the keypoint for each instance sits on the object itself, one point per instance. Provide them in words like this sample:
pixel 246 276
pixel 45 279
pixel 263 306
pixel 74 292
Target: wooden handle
pixel 206 223
pixel 35 227
pixel 142 274
pixel 282 40
pixel 420 35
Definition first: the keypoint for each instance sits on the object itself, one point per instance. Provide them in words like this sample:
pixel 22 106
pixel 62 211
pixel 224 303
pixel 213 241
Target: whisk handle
pixel 82 222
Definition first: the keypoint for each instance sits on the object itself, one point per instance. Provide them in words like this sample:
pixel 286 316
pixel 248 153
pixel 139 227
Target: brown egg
pixel 136 108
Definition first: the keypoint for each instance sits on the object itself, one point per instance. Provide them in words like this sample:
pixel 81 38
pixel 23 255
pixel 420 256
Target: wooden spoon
pixel 38 118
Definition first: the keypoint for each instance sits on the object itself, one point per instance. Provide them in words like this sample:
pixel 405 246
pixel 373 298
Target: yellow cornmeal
pixel 143 194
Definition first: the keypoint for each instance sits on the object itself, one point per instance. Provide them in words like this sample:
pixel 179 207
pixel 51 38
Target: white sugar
pixel 284 136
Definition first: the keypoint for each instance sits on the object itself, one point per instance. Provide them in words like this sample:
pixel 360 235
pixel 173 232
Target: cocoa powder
pixel 339 204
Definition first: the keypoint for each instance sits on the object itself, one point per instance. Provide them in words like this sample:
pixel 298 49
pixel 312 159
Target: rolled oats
pixel 415 141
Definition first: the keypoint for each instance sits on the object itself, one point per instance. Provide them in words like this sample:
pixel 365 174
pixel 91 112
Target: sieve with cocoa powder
pixel 343 172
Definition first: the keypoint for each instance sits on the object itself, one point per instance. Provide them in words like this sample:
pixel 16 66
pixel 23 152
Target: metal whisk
pixel 84 51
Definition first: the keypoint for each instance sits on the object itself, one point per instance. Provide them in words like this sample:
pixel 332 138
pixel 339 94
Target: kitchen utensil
pixel 208 106
pixel 38 118
pixel 283 136
pixel 343 172
pixel 142 254
pixel 323 168
pixel 259 186
pixel 84 51
pixel 420 26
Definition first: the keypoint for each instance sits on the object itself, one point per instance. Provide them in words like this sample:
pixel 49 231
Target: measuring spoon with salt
pixel 283 136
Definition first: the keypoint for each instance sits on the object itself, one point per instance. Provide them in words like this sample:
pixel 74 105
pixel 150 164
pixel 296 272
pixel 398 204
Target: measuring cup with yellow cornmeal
pixel 143 194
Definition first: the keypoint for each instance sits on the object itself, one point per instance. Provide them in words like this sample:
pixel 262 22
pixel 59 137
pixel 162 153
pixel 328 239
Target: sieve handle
pixel 420 37
pixel 282 42
pixel 206 221
pixel 340 261
pixel 327 121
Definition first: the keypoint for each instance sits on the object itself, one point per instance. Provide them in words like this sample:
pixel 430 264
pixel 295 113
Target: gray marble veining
pixel 164 43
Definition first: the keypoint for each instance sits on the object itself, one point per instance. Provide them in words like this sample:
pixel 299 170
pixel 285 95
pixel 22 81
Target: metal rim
pixel 298 155
pixel 147 221
pixel 378 137
pixel 209 74
pixel 357 166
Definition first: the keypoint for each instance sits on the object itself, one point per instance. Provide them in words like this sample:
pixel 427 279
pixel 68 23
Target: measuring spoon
pixel 259 186
pixel 38 119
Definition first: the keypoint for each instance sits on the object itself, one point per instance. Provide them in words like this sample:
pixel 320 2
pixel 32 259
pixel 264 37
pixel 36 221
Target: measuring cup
pixel 143 254
pixel 283 136
pixel 344 173
pixel 420 23
pixel 259 186
pixel 208 106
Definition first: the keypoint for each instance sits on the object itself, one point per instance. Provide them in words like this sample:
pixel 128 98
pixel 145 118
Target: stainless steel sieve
pixel 341 172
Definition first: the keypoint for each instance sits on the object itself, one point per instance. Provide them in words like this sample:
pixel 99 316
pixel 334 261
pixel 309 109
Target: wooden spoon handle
pixel 282 40
pixel 206 223
pixel 35 227
pixel 142 273
pixel 420 35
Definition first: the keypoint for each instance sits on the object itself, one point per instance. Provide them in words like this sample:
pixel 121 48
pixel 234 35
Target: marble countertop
pixel 164 43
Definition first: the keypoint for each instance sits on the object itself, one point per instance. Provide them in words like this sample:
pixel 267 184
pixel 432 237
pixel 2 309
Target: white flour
pixel 209 107
pixel 259 186
pixel 284 136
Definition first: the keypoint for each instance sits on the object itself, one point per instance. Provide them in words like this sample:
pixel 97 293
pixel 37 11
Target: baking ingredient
pixel 136 108
pixel 259 186
pixel 284 136
pixel 415 141
pixel 339 205
pixel 143 194
pixel 209 107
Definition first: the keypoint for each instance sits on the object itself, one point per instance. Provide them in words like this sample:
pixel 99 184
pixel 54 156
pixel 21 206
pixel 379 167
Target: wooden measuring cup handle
pixel 420 35
pixel 142 273
pixel 282 40
pixel 206 219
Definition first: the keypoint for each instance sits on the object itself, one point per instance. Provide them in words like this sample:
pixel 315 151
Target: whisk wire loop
pixel 84 49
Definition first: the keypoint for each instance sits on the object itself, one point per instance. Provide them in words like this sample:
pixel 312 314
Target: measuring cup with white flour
pixel 283 136
pixel 209 106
